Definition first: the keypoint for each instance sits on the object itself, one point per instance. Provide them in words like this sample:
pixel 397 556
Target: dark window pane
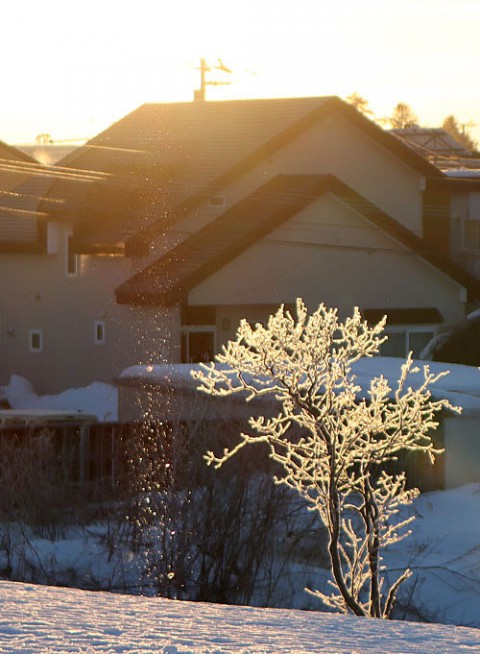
pixel 418 341
pixel 396 345
pixel 71 258
pixel 200 346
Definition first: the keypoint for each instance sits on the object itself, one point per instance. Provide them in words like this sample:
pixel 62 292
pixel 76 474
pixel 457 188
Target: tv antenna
pixel 199 94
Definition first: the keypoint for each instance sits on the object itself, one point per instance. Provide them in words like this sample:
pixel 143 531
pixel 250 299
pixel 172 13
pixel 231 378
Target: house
pixel 163 231
pixel 435 144
pixel 461 184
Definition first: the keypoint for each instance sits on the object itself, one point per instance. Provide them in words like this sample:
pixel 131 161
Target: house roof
pixel 11 153
pixel 431 140
pixel 21 178
pixel 50 152
pixel 26 207
pixel 166 159
pixel 169 280
pixel 441 149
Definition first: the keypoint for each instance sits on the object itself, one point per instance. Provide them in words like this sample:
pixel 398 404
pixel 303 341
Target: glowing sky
pixel 71 68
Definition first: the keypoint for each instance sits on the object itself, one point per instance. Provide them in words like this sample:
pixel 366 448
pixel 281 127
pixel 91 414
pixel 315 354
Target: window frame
pixel 31 334
pixel 408 330
pixel 195 329
pixel 102 325
pixel 70 257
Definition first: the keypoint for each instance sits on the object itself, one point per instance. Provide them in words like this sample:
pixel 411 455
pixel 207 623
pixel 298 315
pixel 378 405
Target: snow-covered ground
pixel 443 551
pixel 36 619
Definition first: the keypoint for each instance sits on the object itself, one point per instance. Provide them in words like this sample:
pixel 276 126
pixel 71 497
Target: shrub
pixel 330 438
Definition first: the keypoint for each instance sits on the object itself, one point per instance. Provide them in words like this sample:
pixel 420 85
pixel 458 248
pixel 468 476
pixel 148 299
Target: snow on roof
pixel 43 416
pixel 163 375
pixel 461 385
pixel 97 399
pixel 462 172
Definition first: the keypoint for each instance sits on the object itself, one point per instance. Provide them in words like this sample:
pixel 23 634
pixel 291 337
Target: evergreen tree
pixel 403 116
pixel 452 127
pixel 361 104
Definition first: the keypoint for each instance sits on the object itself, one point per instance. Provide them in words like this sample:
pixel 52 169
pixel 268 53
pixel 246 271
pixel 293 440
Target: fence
pixel 96 458
pixel 89 458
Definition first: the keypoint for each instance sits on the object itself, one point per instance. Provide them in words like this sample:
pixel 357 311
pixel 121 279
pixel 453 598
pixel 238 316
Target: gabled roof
pixel 11 153
pixel 19 228
pixel 26 207
pixel 440 148
pixel 178 154
pixel 310 111
pixel 171 278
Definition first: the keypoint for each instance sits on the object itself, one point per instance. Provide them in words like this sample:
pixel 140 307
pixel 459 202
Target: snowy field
pixel 39 619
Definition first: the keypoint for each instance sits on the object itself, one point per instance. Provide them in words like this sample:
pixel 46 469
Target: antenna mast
pixel 200 94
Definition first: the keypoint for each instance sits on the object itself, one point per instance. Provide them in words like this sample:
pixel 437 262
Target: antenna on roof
pixel 199 94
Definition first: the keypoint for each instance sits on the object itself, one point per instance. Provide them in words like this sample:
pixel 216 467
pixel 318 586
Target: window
pixel 52 238
pixel 198 344
pixel 471 234
pixel 99 335
pixel 71 259
pixel 217 201
pixel 403 340
pixel 35 340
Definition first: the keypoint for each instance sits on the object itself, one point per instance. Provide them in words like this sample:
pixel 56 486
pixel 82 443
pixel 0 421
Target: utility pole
pixel 199 94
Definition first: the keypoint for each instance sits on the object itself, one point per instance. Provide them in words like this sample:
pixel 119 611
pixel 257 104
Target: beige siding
pixel 38 294
pixel 337 147
pixel 462 450
pixel 329 253
pixel 466 250
pixel 334 146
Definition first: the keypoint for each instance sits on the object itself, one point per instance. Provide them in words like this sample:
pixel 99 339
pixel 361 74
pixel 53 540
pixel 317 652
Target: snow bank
pixel 443 552
pixel 58 620
pixel 461 384
pixel 98 398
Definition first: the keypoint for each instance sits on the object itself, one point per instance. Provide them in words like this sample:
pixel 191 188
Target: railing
pixel 105 457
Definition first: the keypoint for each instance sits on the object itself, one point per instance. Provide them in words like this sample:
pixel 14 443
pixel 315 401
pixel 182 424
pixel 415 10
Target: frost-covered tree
pixel 331 438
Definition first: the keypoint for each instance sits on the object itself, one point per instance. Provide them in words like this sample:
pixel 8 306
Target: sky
pixel 70 69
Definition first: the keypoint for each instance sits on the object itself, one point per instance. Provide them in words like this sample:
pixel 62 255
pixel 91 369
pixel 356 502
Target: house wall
pixel 338 147
pixel 466 206
pixel 327 253
pixel 462 449
pixel 38 294
pixel 333 146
